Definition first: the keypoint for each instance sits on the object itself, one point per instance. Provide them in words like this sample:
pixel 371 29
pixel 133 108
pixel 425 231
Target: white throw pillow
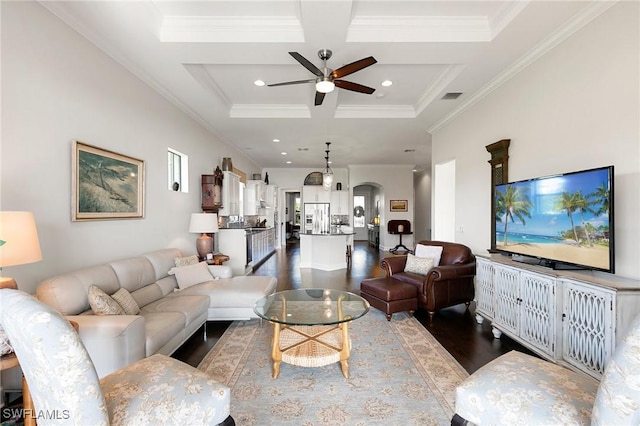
pixel 418 265
pixel 103 304
pixel 190 275
pixel 434 252
pixel 128 303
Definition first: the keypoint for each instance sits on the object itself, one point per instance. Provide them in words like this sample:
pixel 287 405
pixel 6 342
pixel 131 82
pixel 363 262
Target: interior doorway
pixel 291 217
pixel 444 212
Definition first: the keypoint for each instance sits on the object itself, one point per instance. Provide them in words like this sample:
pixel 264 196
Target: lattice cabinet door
pixel 507 298
pixel 588 335
pixel 484 290
pixel 538 311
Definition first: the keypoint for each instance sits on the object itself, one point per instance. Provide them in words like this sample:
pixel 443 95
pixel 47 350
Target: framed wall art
pixel 105 184
pixel 399 205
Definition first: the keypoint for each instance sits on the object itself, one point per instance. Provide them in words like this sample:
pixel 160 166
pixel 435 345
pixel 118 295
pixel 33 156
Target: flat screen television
pixel 563 221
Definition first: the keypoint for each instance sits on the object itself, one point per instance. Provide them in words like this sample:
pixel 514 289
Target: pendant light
pixel 327 173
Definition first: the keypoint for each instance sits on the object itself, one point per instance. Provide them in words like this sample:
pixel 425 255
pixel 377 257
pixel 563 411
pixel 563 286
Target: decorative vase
pixel 266 178
pixel 227 165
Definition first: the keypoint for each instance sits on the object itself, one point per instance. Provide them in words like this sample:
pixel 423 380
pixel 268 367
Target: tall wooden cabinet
pixel 571 318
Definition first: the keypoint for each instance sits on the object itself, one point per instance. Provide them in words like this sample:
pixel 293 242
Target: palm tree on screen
pixel 513 203
pixel 569 203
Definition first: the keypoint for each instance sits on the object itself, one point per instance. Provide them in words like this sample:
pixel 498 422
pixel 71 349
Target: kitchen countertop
pixel 250 228
pixel 326 234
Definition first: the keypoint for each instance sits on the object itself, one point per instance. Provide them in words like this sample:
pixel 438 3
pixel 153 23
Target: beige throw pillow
pixel 418 265
pixel 103 304
pixel 126 301
pixel 187 260
pixel 190 275
pixel 434 252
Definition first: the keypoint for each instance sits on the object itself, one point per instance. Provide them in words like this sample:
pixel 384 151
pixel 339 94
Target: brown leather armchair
pixel 449 284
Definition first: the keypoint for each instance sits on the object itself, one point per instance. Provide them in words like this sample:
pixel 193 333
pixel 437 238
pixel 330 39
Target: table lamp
pixel 204 223
pixel 18 242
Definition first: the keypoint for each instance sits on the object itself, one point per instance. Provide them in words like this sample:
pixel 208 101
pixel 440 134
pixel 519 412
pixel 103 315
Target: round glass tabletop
pixel 315 306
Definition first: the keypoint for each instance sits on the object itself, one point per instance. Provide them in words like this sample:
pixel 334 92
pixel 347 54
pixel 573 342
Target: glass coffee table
pixel 311 326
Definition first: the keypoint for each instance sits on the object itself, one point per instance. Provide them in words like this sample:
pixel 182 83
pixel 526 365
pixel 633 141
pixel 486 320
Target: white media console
pixel 574 318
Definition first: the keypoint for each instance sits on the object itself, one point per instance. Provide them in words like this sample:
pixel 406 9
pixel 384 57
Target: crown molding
pixel 595 9
pixel 440 83
pixel 269 111
pixel 375 111
pixel 231 29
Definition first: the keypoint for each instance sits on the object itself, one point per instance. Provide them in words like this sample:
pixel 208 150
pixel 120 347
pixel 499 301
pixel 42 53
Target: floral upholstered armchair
pixel 520 389
pixel 65 388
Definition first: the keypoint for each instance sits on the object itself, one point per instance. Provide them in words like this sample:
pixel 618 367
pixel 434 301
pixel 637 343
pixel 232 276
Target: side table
pixel 218 259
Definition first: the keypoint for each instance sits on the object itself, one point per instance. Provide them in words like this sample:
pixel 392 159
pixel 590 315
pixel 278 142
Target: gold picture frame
pixel 398 205
pixel 105 184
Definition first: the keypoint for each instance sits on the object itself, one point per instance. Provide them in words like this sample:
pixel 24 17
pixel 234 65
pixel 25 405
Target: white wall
pixel 395 183
pixel 422 193
pixel 575 108
pixel 57 87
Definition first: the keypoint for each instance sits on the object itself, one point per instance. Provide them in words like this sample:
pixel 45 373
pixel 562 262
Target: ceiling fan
pixel 327 79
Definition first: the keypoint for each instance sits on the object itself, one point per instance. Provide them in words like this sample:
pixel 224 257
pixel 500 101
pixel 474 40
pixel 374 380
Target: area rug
pixel 398 375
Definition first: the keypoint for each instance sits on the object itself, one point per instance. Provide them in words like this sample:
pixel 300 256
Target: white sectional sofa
pixel 168 316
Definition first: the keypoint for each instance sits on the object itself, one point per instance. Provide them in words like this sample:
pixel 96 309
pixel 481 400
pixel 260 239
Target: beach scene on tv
pixel 563 218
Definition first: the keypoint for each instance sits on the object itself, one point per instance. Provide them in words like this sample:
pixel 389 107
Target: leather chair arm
pixel 451 272
pixel 393 264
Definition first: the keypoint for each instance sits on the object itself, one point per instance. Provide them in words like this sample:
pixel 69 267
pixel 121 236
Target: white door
pixel 444 202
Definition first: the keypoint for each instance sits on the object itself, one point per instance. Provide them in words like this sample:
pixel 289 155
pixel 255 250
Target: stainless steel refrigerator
pixel 316 218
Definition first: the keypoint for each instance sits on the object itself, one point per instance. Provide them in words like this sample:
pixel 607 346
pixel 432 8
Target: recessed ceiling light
pixel 283 153
pixel 276 140
pixel 289 162
pixel 259 83
pixel 387 83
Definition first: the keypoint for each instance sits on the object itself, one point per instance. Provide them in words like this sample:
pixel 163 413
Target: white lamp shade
pixel 203 223
pixel 19 242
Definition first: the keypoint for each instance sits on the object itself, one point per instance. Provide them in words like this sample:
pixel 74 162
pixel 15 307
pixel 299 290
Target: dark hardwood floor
pixel 471 344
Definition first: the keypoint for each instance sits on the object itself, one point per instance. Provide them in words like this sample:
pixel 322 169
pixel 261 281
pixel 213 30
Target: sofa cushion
pixel 134 273
pixel 160 328
pixel 434 252
pixel 68 293
pixel 191 275
pixel 411 278
pixel 126 301
pixel 418 265
pixel 163 260
pixel 103 304
pixel 191 306
pixel 238 291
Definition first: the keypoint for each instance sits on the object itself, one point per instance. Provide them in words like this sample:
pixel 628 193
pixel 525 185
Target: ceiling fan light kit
pixel 327 79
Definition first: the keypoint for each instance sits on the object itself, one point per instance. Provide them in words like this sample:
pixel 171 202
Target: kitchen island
pixel 325 251
pixel 247 247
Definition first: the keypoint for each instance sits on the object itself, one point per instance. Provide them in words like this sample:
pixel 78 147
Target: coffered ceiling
pixel 205 56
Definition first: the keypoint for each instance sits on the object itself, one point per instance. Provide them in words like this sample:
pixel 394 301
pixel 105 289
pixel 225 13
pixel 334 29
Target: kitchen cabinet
pixel 258 197
pixel 233 243
pixel 568 317
pixel 315 194
pixel 230 195
pixel 339 202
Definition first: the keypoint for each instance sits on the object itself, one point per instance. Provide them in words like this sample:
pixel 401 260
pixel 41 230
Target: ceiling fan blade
pixel 286 83
pixel 305 63
pixel 355 87
pixel 353 67
pixel 319 98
